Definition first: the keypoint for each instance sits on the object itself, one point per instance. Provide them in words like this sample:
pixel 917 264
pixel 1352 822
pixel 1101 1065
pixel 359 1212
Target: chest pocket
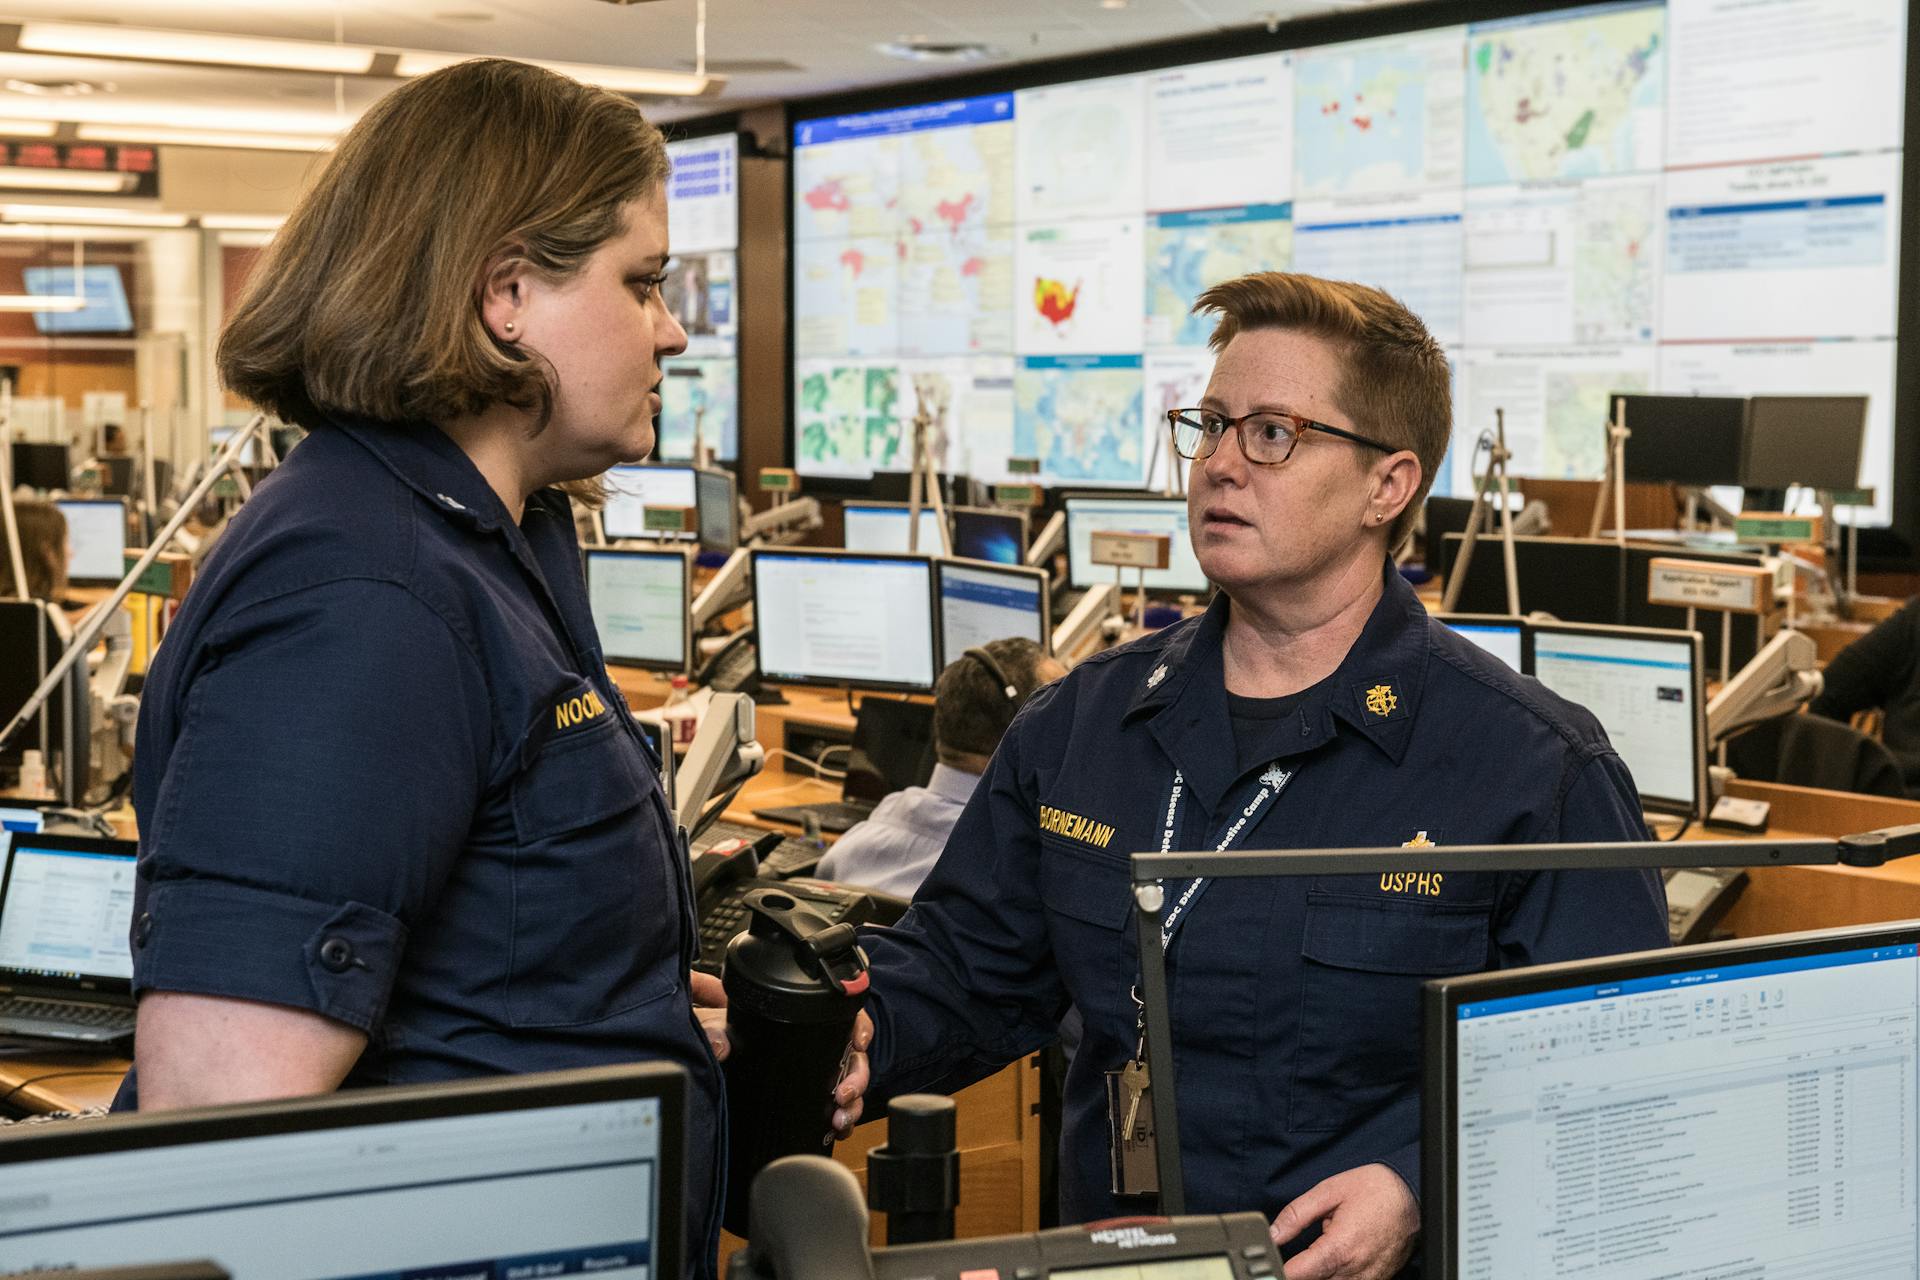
pixel 1084 885
pixel 596 922
pixel 1363 963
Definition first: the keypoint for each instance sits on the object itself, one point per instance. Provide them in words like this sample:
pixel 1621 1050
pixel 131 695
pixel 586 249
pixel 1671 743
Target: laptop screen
pixel 568 1174
pixel 65 911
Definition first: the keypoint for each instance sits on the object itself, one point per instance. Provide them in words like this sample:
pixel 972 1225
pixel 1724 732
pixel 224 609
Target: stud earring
pixel 508 326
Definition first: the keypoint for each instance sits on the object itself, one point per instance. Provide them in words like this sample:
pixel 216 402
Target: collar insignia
pixel 1159 674
pixel 449 501
pixel 1419 841
pixel 1275 778
pixel 1380 702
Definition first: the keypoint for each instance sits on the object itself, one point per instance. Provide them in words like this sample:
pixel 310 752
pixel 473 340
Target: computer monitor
pixel 845 618
pixel 882 526
pixel 1644 686
pixel 719 510
pixel 1689 440
pixel 41 466
pixel 981 603
pixel 983 533
pixel 1499 635
pixel 116 476
pixel 65 909
pixel 641 606
pixel 96 540
pixel 30 645
pixel 565 1173
pixel 106 309
pixel 1804 440
pixel 631 490
pixel 1088 514
pixel 1734 1109
pixel 217 438
pixel 17 818
pixel 892 749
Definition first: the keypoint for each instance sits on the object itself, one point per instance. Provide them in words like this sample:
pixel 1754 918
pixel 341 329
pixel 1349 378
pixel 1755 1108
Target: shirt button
pixel 336 954
pixel 143 929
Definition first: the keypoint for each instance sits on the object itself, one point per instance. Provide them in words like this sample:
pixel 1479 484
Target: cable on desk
pixel 814 766
pixel 1685 826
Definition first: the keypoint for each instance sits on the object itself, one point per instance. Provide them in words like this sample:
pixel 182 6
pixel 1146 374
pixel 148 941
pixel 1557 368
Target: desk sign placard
pixel 1018 495
pixel 1700 584
pixel 1023 466
pixel 669 519
pixel 779 480
pixel 1132 550
pixel 1775 526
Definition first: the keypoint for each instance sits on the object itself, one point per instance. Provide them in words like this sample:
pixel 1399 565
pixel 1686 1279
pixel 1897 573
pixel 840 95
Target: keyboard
pixel 836 817
pixel 64 1019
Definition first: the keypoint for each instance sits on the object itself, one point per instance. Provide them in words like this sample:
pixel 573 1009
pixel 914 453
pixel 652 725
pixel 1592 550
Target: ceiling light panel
pixel 153 45
pixel 163 135
pixel 91 182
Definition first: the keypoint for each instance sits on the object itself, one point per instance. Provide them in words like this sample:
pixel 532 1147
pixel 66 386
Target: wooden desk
pixel 61 1081
pixel 997 1129
pixel 1792 899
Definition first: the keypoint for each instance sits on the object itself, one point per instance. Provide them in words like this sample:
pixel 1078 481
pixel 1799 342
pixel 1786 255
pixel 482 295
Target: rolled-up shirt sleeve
pixel 329 752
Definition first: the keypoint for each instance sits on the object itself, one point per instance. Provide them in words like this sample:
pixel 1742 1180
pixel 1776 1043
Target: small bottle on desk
pixel 681 718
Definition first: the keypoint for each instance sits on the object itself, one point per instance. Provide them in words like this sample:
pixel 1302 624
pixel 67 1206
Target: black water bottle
pixel 794 981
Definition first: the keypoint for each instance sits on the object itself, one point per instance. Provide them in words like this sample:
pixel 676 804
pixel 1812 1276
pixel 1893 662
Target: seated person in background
pixel 1881 670
pixel 43 549
pixel 895 848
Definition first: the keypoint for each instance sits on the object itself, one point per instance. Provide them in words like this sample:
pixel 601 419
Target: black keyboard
pixel 65 1013
pixel 836 817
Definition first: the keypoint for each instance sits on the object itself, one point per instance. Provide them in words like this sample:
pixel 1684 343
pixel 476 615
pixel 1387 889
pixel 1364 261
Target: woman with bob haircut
pixel 396 823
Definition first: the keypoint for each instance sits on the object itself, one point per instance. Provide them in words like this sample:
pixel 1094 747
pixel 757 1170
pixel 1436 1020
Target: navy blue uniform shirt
pixel 383 776
pixel 1294 1001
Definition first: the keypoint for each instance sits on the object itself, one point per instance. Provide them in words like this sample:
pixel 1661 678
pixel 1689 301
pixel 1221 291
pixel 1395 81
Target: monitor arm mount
pixel 1781 678
pixel 103 613
pixel 722 757
pixel 782 522
pixel 1154 872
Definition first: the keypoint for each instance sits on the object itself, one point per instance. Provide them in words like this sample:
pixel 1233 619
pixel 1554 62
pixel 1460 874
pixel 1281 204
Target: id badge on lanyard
pixel 1133 1158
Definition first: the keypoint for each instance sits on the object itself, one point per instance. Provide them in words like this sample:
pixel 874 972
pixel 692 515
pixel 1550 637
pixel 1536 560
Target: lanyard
pixel 1272 783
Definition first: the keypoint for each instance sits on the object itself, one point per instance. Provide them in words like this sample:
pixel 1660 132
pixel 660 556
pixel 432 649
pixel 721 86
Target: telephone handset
pixel 1698 898
pixel 722 879
pixel 734 669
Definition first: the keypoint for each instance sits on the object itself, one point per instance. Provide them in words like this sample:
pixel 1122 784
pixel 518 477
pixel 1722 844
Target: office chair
pixel 1813 751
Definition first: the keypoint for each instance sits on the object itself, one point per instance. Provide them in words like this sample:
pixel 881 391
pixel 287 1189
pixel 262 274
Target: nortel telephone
pixel 1698 898
pixel 724 876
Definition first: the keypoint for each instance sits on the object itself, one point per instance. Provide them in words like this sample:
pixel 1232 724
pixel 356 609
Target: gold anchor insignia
pixel 1419 841
pixel 1380 700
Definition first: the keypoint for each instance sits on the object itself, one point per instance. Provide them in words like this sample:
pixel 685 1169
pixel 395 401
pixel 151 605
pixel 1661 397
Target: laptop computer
pixel 892 750
pixel 66 971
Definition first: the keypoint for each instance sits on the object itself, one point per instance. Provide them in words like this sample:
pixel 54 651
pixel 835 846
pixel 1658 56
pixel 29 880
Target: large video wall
pixel 703 228
pixel 1695 196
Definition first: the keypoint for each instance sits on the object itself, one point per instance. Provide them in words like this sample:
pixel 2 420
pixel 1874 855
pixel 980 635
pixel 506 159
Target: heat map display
pixel 1701 195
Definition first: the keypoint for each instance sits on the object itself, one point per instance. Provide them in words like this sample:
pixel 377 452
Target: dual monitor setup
pixel 1760 443
pixel 1643 684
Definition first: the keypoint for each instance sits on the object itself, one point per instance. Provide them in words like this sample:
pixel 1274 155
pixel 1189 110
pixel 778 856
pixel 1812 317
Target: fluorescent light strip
pixel 38 302
pixel 91 215
pixel 29 128
pixel 241 222
pixel 165 135
pixel 641 80
pixel 149 44
pixel 92 181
